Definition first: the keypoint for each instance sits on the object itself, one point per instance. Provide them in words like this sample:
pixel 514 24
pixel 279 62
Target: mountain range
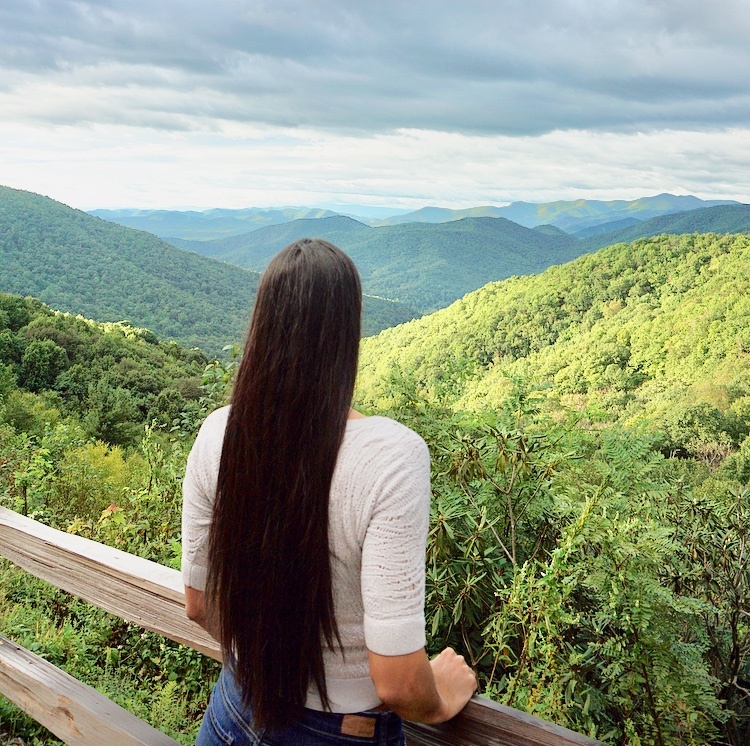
pixel 733 218
pixel 79 263
pixel 206 224
pixel 573 216
pixel 82 264
pixel 429 265
pixel 424 265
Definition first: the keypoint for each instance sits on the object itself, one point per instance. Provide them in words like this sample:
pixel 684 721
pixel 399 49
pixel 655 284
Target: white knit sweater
pixel 378 521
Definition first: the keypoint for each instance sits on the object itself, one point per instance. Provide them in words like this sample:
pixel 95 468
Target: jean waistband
pixel 378 725
pixel 371 724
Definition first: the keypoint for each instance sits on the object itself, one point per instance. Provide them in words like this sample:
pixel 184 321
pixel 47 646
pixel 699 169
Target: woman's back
pixel 378 519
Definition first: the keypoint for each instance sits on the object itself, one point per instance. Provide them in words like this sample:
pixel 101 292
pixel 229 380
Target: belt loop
pixel 383 728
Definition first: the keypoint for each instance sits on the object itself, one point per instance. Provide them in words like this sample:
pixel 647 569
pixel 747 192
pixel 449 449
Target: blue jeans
pixel 227 722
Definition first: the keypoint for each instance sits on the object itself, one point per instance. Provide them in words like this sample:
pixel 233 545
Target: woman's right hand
pixel 454 681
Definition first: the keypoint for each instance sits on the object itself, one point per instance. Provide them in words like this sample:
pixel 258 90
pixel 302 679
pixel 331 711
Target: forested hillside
pixel 255 249
pixel 655 332
pixel 428 266
pixel 81 264
pixel 424 265
pixel 109 378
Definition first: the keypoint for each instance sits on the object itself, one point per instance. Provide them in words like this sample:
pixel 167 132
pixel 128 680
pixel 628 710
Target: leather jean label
pixel 358 725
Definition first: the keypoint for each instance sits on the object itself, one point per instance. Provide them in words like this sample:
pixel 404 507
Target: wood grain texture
pixel 130 587
pixel 487 723
pixel 74 712
pixel 152 595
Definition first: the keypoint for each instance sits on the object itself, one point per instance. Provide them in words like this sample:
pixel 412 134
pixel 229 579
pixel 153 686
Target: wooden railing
pixel 151 596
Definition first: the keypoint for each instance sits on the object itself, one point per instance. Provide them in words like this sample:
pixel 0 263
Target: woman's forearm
pixel 406 685
pixel 421 690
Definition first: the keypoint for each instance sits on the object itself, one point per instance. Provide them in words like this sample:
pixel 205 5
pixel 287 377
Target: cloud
pixel 279 102
pixel 491 67
pixel 243 165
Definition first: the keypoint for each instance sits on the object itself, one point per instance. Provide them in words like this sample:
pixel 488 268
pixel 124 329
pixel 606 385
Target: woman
pixel 304 530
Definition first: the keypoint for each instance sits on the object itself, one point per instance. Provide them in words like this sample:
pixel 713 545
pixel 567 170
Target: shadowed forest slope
pixel 719 219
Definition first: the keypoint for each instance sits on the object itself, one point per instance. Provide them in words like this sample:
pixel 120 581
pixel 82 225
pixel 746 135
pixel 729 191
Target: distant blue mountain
pixel 570 216
pixel 207 224
pixel 581 218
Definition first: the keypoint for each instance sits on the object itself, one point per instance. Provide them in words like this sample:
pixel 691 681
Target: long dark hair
pixel 269 590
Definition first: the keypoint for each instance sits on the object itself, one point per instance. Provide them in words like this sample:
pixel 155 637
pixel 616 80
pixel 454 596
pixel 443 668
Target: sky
pixel 185 103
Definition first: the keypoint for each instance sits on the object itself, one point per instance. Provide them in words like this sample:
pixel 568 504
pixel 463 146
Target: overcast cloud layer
pixel 237 79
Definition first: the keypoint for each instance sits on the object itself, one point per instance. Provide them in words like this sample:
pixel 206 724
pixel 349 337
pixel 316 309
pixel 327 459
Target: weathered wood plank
pixel 487 723
pixel 130 587
pixel 74 712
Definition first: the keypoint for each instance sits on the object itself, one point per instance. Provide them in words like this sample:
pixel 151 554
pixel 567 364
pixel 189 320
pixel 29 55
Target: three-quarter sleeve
pixel 198 496
pixel 393 552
